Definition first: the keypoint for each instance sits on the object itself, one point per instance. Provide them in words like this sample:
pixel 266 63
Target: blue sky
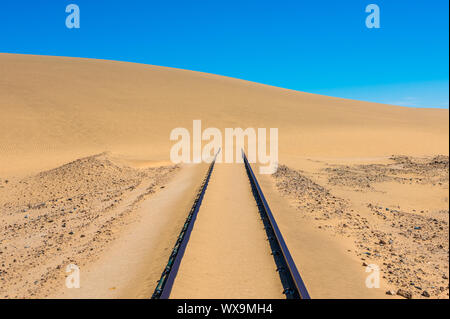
pixel 317 46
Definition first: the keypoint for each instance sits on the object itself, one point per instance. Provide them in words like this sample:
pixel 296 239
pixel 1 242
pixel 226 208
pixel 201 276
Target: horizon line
pixel 230 77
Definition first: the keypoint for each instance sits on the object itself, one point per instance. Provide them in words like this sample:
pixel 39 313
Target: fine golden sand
pixel 86 178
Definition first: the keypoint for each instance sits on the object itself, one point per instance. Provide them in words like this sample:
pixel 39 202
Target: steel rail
pixel 165 283
pixel 294 287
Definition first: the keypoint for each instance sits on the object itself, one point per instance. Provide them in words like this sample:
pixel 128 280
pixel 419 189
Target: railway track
pixel 165 283
pixel 294 287
pixel 292 283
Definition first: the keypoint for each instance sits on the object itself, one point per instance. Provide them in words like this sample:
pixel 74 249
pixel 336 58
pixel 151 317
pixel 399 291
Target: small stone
pixel 404 294
pixel 425 294
pixel 390 292
pixel 364 264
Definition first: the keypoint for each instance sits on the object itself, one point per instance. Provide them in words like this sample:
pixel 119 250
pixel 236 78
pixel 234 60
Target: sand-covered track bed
pixel 165 283
pixel 236 249
pixel 66 215
pixel 294 287
pixel 228 255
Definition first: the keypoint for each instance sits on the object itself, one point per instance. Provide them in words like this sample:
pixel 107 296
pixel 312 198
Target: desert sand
pixel 56 109
pixel 85 176
pixel 228 254
pixel 392 213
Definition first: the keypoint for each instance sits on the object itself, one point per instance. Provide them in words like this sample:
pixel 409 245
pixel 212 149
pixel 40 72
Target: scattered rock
pixel 404 294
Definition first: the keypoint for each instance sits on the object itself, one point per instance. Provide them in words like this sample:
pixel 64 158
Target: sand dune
pixel 56 109
pixel 342 200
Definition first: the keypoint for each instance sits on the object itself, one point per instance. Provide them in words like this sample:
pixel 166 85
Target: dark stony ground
pixel 410 247
pixel 65 215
